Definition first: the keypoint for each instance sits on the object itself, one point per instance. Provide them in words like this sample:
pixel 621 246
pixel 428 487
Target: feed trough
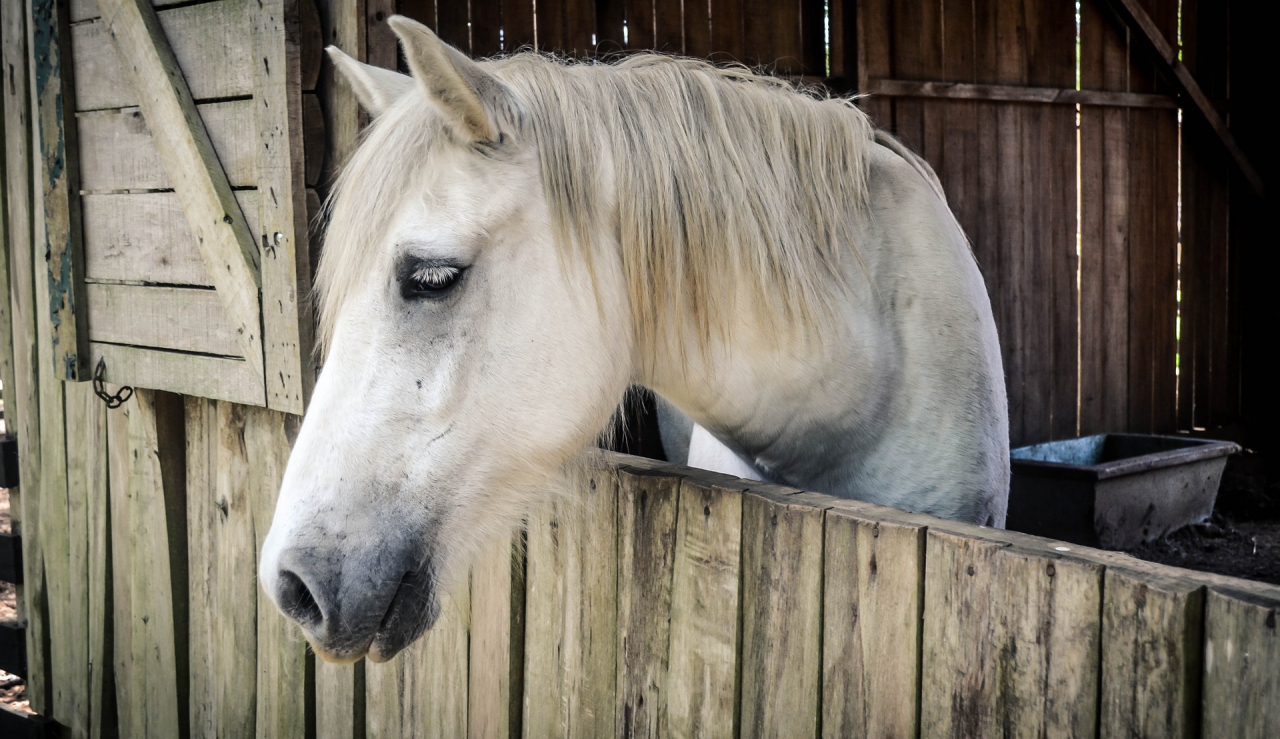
pixel 1114 490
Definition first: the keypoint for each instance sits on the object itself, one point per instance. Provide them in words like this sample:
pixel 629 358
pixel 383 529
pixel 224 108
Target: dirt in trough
pixel 1241 538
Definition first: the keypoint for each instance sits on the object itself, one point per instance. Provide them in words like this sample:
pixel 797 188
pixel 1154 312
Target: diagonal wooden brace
pixel 1131 14
pixel 193 167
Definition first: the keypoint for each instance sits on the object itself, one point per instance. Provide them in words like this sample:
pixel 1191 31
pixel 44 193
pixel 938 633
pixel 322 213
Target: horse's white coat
pixel 436 422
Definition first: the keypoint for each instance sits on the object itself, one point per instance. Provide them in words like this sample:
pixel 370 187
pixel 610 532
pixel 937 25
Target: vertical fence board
pixel 496 661
pixel 149 633
pixel 222 567
pixel 339 696
pixel 517 24
pixel 702 671
pixel 960 667
pixel 284 668
pixel 647 509
pixel 873 593
pixel 1050 643
pixel 571 614
pixel 1241 651
pixel 1151 665
pixel 781 616
pixel 86 496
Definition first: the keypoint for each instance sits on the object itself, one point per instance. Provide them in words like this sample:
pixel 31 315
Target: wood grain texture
pixel 81 689
pixel 186 319
pixel 1152 663
pixel 703 658
pixel 1050 645
pixel 286 684
pixel 210 42
pixel 144 237
pixel 339 699
pixel 647 508
pixel 189 158
pixel 873 593
pixel 150 647
pixel 189 374
pixel 781 616
pixel 960 691
pixel 222 571
pixel 1241 649
pixel 118 151
pixel 571 632
pixel 60 181
pixel 282 216
pixel 343 25
pixel 496 660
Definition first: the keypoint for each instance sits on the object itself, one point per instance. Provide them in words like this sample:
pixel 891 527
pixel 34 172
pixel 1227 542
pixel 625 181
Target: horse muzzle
pixel 372 603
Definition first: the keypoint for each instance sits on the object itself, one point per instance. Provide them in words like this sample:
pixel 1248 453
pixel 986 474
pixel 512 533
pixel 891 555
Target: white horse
pixel 517 241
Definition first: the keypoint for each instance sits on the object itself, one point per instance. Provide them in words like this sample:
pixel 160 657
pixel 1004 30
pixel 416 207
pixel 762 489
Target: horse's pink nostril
pixel 297 602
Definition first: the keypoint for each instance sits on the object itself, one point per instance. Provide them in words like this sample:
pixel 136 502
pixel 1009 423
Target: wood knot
pixel 1271 619
pixel 1051 570
pixel 875 531
pixel 872 565
pixel 706 510
pixel 970 570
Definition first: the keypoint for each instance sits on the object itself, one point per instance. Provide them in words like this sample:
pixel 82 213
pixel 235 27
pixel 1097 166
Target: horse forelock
pixel 721 184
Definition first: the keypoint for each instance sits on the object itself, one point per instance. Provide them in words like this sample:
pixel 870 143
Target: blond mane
pixel 724 184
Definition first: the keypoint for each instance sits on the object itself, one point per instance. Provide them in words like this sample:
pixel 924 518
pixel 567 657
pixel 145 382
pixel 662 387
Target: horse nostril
pixel 297 602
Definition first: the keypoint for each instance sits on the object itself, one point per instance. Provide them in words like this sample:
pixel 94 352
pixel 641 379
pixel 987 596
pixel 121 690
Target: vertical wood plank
pixel 647 508
pixel 286 677
pixel 960 666
pixel 340 689
pixel 771 35
pixel 781 616
pixel 452 25
pixel 282 217
pixel 697 28
pixel 580 26
pixel 517 25
pixel 1151 667
pixel 727 39
pixel 146 495
pixel 496 661
pixel 86 515
pixel 1050 643
pixel 873 592
pixel 702 670
pixel 486 25
pixel 54 92
pixel 381 45
pixel 571 614
pixel 1241 649
pixel 222 567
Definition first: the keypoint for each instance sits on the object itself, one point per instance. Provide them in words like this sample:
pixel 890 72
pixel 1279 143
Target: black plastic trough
pixel 1114 491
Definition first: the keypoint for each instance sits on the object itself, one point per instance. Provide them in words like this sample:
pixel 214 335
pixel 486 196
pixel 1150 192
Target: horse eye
pixel 428 281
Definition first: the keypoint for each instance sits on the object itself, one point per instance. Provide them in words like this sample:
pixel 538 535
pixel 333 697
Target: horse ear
pixel 464 92
pixel 376 88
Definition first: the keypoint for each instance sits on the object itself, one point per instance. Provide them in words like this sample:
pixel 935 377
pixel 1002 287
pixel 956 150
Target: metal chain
pixel 112 401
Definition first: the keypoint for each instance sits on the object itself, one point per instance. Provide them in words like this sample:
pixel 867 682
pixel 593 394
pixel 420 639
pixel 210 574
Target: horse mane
pixel 720 185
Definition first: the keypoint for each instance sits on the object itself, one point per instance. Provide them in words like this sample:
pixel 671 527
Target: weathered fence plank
pixel 781 616
pixel 647 509
pixel 960 667
pixel 222 566
pixel 1151 665
pixel 1050 643
pixel 495 689
pixel 873 595
pixel 571 614
pixel 150 645
pixel 702 664
pixel 1241 654
pixel 186 319
pixel 143 237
